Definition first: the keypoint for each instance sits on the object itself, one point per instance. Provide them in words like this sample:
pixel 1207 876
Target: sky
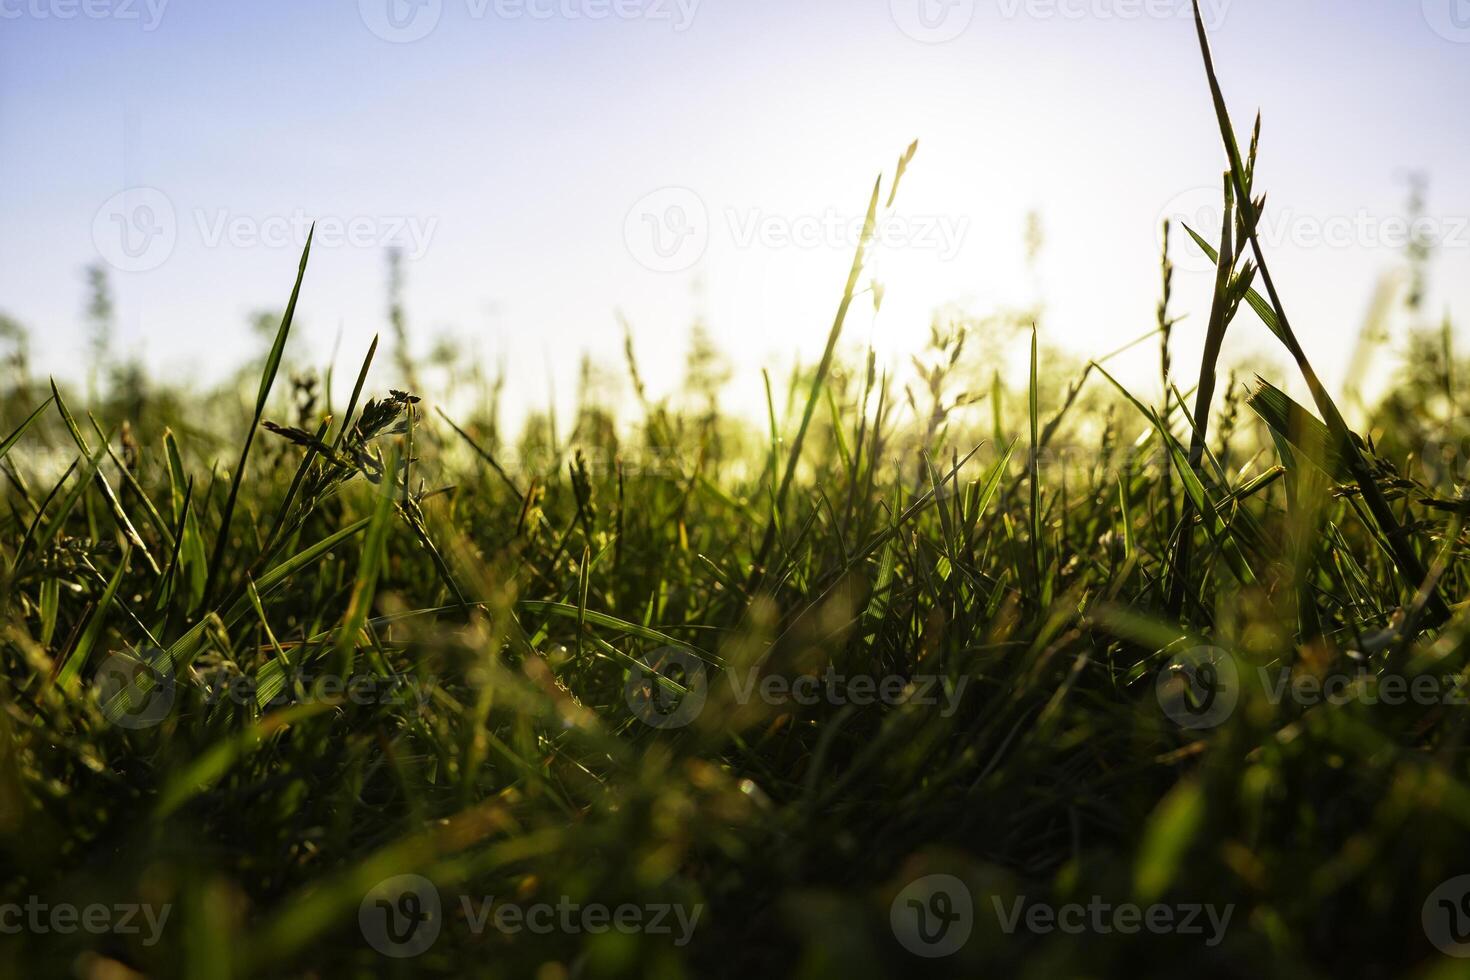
pixel 546 165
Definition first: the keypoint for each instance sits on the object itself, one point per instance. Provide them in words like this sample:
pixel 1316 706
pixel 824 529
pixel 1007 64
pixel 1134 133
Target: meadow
pixel 321 676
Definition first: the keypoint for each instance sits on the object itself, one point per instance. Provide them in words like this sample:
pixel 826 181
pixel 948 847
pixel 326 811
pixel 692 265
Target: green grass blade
pixel 71 667
pixel 758 566
pixel 267 380
pixel 9 441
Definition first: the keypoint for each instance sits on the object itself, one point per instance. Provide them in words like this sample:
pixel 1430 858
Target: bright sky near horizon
pixel 546 163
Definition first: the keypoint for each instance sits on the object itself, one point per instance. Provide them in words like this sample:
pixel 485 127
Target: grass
pixel 176 636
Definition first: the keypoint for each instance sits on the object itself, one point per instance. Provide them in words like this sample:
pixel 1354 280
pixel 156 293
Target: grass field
pixel 1050 679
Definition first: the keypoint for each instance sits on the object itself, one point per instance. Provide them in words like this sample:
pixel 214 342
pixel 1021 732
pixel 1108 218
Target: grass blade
pixel 267 380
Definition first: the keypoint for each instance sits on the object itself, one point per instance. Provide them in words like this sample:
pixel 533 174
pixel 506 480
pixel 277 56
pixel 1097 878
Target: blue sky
pixel 516 148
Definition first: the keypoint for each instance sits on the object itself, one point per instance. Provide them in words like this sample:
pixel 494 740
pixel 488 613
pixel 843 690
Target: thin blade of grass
pixel 758 566
pixel 267 380
pixel 71 667
pixel 9 441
